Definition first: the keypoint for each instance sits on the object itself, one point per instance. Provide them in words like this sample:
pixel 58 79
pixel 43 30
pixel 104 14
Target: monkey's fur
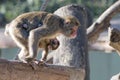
pixel 31 29
pixel 46 45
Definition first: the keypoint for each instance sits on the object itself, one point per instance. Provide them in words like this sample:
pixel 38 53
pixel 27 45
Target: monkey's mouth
pixel 74 32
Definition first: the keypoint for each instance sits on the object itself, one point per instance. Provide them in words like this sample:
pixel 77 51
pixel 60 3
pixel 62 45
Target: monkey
pixel 29 29
pixel 47 45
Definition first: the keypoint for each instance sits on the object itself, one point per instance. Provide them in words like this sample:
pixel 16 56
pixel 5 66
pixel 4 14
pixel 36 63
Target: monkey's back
pixel 33 20
pixel 31 15
pixel 30 20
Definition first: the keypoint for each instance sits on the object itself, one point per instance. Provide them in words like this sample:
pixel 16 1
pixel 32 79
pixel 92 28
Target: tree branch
pixel 103 22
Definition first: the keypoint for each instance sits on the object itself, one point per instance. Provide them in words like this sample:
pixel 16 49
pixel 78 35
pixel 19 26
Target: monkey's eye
pixel 67 22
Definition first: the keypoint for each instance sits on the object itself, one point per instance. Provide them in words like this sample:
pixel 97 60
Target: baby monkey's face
pixel 54 44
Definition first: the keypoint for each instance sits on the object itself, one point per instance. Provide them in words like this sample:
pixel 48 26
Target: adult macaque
pixel 46 45
pixel 31 29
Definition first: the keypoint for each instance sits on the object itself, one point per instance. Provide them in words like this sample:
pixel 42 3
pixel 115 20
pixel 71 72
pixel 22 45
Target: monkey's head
pixel 54 44
pixel 71 25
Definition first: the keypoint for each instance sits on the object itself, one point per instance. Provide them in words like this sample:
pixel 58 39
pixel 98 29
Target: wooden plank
pixel 13 70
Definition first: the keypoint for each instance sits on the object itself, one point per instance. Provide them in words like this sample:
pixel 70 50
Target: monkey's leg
pixel 16 57
pixel 35 37
pixel 23 52
pixel 20 39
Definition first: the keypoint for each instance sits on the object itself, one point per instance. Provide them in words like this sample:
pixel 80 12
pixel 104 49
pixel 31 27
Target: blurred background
pixel 103 63
pixel 9 9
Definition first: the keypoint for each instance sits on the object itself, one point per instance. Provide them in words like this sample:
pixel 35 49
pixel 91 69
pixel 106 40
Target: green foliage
pixel 97 7
pixel 13 8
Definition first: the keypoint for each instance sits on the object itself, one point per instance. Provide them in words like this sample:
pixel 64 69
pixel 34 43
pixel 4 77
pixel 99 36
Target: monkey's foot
pixel 36 61
pixel 29 59
pixel 33 65
pixel 40 63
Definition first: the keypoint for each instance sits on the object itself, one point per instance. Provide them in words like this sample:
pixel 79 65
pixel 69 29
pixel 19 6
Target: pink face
pixel 74 32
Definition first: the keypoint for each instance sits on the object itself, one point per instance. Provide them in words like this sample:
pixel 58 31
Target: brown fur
pixel 31 31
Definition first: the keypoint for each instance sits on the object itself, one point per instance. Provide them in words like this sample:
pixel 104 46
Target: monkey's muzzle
pixel 74 32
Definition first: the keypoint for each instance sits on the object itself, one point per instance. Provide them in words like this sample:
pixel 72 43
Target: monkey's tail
pixel 6 32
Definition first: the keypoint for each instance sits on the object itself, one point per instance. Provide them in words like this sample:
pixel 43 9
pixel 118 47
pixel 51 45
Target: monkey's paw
pixel 41 62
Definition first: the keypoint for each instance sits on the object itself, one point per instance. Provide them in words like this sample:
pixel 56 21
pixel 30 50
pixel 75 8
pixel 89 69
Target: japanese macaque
pixel 32 30
pixel 47 45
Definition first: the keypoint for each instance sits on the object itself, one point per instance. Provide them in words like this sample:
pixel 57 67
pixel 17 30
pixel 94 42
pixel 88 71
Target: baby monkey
pixel 35 29
pixel 47 45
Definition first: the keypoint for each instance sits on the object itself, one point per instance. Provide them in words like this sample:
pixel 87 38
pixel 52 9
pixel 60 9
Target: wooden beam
pixel 14 70
pixel 103 22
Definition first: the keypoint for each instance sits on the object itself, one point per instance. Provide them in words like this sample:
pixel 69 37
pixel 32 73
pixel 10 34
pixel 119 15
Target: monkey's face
pixel 54 44
pixel 71 26
pixel 72 32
